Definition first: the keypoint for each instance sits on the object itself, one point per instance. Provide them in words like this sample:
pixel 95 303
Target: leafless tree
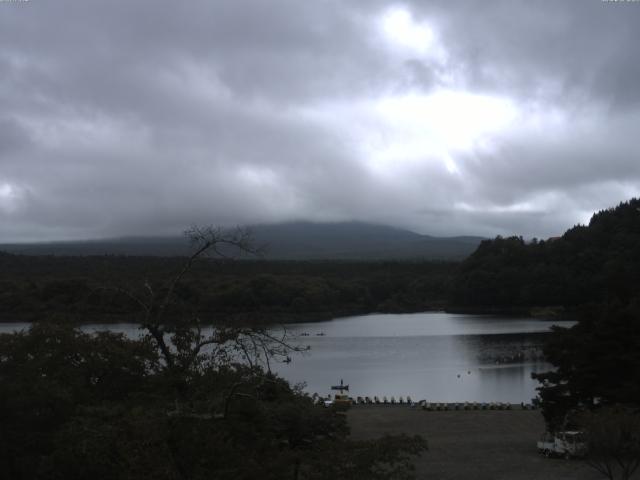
pixel 182 341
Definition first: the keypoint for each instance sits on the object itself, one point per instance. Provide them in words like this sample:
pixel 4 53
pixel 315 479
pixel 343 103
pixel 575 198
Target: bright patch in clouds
pixel 392 134
pixel 9 197
pixel 418 127
pixel 400 28
pixel 404 34
pixel 421 127
pixel 456 119
pixel 257 176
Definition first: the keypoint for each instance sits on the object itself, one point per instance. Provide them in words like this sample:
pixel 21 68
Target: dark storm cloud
pixel 144 117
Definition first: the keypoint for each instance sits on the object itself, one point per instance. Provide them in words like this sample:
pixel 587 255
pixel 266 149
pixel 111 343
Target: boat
pixel 340 387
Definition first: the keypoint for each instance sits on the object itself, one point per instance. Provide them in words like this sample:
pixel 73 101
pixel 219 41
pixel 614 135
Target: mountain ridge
pixel 285 241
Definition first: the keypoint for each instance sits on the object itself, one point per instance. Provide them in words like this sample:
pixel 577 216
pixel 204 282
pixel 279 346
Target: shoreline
pixel 257 318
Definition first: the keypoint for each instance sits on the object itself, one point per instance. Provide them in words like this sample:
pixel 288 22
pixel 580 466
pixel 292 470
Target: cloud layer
pixel 502 117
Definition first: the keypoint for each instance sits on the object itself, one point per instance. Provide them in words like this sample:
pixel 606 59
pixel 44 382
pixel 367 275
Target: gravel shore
pixel 474 444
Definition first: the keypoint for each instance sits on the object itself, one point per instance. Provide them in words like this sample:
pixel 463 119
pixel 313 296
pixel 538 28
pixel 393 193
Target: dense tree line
pixel 597 263
pixel 39 287
pixel 597 364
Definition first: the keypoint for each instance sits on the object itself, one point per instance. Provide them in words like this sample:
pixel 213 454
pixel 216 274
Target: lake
pixel 436 356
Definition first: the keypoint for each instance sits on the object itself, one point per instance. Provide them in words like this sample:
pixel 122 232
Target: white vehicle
pixel 562 444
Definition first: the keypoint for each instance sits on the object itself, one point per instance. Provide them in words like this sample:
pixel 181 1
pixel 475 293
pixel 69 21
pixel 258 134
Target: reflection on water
pixel 436 356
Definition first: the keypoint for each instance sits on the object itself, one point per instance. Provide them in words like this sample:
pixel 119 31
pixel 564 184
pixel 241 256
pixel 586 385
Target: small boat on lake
pixel 340 387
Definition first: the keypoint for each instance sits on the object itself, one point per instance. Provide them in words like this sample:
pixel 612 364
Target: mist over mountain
pixel 286 241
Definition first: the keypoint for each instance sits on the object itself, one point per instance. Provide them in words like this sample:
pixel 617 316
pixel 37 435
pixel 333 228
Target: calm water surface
pixel 436 356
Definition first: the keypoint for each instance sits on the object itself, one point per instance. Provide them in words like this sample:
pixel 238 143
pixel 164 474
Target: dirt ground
pixel 478 445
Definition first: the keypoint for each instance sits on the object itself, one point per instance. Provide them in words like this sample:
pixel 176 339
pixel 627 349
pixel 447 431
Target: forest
pixel 90 288
pixel 595 263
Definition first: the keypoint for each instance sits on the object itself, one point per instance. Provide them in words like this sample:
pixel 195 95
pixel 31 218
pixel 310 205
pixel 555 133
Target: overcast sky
pixel 445 117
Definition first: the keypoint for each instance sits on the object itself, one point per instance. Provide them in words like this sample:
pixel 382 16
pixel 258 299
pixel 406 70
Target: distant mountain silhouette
pixel 285 241
pixel 355 240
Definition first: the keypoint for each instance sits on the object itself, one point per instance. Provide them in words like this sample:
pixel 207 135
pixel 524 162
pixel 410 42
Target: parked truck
pixel 562 444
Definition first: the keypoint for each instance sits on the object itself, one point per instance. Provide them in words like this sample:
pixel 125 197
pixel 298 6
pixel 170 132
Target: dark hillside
pixel 594 263
pixel 355 240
